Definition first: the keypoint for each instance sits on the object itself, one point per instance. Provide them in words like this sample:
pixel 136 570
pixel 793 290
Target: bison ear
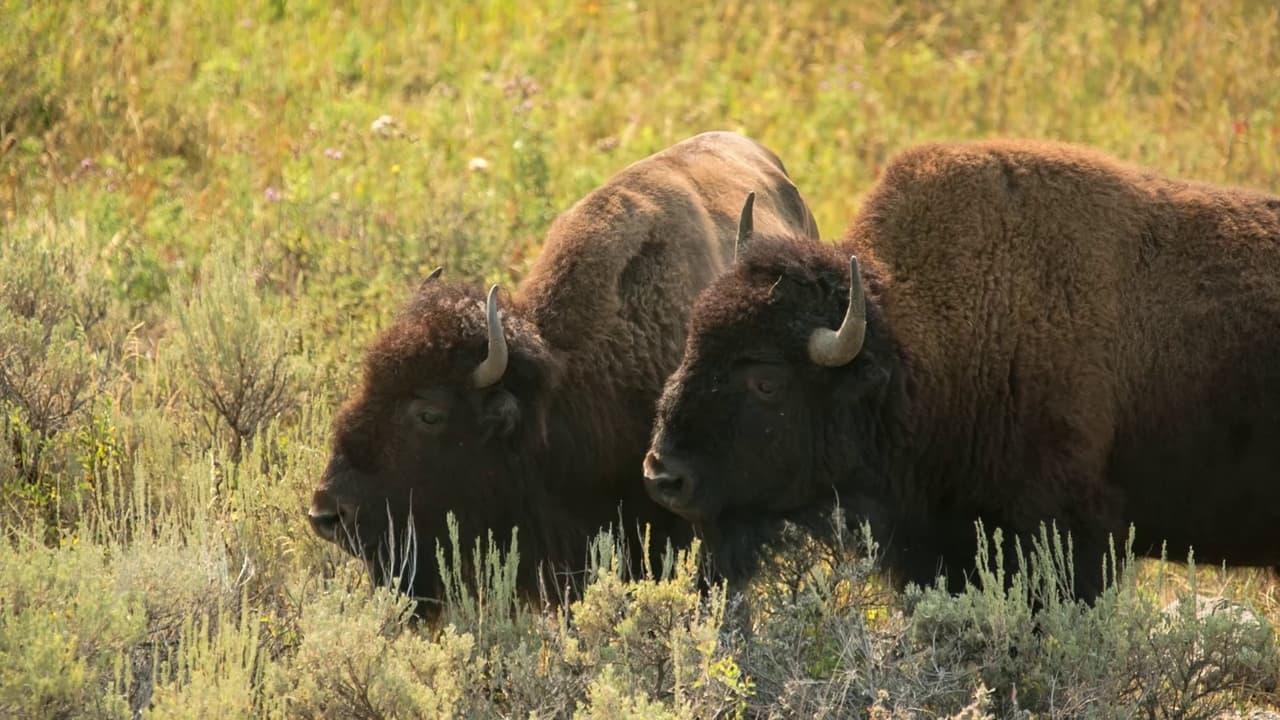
pixel 869 377
pixel 501 413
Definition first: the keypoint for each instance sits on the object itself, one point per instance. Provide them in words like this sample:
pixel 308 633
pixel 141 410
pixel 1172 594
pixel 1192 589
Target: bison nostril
pixel 669 485
pixel 329 517
pixel 668 481
pixel 325 524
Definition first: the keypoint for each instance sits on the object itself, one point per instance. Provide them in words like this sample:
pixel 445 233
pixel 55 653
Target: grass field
pixel 208 208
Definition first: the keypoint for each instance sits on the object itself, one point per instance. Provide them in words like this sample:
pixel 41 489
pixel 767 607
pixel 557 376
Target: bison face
pixel 437 427
pixel 733 435
pixel 771 409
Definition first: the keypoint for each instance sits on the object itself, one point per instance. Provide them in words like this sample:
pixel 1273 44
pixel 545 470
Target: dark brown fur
pixel 1052 336
pixel 555 447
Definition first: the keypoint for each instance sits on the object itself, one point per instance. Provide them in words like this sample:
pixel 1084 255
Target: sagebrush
pixel 207 209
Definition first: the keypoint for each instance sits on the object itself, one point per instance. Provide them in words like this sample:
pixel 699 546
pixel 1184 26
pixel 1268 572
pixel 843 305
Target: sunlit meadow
pixel 208 208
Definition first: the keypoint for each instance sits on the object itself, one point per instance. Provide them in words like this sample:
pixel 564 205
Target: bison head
pixel 453 395
pixel 776 403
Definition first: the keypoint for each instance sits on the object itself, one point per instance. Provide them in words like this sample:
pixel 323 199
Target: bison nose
pixel 668 481
pixel 329 517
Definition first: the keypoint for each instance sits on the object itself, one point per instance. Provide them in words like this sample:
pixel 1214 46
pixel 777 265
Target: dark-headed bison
pixel 537 416
pixel 1030 333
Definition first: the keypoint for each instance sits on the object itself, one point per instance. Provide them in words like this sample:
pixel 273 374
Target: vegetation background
pixel 208 208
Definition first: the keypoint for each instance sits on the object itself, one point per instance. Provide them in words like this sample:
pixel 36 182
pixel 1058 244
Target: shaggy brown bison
pixel 1030 333
pixel 537 415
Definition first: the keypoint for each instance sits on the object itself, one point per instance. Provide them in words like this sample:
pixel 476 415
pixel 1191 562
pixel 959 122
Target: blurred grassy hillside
pixel 207 208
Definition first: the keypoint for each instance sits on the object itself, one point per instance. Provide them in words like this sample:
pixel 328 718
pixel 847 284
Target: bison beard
pixel 1050 337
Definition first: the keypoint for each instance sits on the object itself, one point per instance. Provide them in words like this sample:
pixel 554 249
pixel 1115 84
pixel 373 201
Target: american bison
pixel 537 415
pixel 1030 332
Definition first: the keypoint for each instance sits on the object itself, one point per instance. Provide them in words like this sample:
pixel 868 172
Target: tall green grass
pixel 208 208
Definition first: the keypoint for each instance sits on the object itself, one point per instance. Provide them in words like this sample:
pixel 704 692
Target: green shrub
pixel 612 698
pixel 47 376
pixel 1124 656
pixel 50 277
pixel 237 351
pixel 65 632
pixel 217 670
pixel 480 587
pixel 828 636
pixel 656 637
pixel 60 335
pixel 360 657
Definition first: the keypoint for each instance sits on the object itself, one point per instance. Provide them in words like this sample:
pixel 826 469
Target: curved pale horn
pixel 435 275
pixel 494 365
pixel 836 348
pixel 746 225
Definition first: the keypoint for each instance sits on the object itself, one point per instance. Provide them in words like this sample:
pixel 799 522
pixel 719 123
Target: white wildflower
pixel 385 126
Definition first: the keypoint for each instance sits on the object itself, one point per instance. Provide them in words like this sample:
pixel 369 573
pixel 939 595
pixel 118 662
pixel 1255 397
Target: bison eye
pixel 765 380
pixel 430 410
pixel 764 387
pixel 431 416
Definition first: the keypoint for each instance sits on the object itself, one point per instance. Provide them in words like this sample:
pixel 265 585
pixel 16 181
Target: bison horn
pixel 836 348
pixel 490 371
pixel 435 275
pixel 745 226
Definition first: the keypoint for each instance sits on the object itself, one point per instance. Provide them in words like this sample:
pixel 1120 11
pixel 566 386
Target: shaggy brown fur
pixel 1052 336
pixel 555 447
